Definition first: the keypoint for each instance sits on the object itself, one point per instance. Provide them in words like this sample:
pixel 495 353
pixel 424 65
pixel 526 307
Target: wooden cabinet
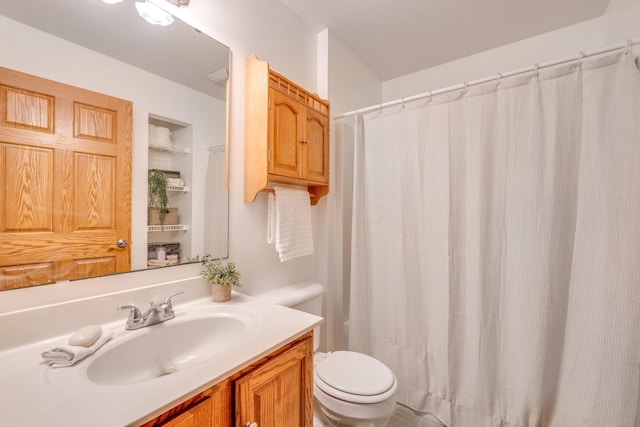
pixel 279 392
pixel 286 133
pixel 207 409
pixel 276 391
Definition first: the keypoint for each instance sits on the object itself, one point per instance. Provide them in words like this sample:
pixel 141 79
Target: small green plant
pixel 218 272
pixel 158 197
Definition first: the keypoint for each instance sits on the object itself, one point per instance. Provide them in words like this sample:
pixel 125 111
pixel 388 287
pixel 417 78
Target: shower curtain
pixel 496 248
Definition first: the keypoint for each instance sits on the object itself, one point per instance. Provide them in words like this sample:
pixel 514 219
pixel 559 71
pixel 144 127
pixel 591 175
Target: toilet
pixel 349 388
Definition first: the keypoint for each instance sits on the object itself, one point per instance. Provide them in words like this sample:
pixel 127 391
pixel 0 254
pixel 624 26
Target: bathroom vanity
pixel 275 391
pixel 214 364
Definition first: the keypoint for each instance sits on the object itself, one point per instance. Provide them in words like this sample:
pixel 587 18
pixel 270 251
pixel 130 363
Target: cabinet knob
pixel 304 141
pixel 250 424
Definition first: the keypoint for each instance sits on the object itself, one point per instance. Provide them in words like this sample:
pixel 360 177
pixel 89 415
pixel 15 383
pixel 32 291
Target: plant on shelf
pixel 158 198
pixel 222 276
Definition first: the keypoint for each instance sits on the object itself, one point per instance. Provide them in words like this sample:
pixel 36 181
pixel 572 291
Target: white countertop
pixel 34 394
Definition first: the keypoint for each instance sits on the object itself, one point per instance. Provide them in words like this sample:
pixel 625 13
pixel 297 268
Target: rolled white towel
pixel 66 354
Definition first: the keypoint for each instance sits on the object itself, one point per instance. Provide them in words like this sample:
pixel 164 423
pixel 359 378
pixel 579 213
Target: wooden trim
pixel 255 127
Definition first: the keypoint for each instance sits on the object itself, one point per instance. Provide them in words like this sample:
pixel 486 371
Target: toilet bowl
pixel 349 388
pixel 354 389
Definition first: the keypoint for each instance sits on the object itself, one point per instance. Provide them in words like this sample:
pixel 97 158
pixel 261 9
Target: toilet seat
pixel 355 377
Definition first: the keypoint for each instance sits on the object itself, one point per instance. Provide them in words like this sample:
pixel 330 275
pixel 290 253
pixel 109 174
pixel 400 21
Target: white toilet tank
pixel 303 296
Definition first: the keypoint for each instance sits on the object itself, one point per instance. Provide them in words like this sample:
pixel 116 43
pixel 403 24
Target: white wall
pixel 270 30
pixel 619 23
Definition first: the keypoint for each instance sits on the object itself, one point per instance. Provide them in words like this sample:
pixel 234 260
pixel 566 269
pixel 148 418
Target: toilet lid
pixel 355 373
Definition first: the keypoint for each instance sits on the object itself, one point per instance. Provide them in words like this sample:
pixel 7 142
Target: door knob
pixel 122 243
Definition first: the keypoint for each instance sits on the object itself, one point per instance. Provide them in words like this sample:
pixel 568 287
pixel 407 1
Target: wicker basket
pixel 171 217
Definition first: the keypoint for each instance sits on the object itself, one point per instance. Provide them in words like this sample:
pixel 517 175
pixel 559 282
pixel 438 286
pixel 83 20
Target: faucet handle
pixel 134 315
pixel 168 300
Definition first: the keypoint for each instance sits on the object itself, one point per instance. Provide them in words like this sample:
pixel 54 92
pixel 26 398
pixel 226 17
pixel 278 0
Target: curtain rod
pixel 629 43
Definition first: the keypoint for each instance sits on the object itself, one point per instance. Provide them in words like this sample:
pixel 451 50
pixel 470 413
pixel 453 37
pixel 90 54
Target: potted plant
pixel 223 276
pixel 158 198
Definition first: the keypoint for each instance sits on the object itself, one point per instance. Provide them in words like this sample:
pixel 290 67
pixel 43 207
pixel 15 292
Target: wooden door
pixel 65 181
pixel 316 147
pixel 285 135
pixel 278 393
pixel 211 408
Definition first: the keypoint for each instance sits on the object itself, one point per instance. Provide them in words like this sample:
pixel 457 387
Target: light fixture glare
pixel 153 14
pixel 111 1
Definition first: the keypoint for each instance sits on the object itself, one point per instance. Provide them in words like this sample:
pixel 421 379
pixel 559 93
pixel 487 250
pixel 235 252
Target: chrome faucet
pixel 157 312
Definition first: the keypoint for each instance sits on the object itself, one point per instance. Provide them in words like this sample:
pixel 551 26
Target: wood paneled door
pixel 65 181
pixel 278 393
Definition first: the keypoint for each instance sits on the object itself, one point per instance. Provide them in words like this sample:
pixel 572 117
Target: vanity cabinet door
pixel 278 393
pixel 198 416
pixel 211 408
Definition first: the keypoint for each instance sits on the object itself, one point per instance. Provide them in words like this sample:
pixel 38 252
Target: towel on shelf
pixel 66 354
pixel 289 222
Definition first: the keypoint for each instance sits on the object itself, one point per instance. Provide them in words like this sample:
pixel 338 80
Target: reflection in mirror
pixel 175 79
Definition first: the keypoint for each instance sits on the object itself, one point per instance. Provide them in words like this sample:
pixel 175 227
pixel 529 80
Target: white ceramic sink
pixel 165 348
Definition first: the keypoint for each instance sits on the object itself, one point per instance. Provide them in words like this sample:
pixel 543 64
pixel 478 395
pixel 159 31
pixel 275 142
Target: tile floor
pixel 402 417
pixel 405 417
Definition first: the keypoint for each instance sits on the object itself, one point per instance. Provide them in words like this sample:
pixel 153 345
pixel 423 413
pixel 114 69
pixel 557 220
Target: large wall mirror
pixel 176 80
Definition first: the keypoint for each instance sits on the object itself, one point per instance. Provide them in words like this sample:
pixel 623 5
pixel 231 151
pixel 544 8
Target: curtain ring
pixel 465 88
pixel 429 97
pixel 629 46
pixel 402 100
pixel 536 68
pixel 499 82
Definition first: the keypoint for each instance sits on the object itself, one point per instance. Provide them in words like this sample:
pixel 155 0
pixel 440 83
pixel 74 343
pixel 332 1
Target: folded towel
pixel 289 218
pixel 67 355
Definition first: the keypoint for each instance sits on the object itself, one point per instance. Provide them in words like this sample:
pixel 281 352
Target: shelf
pixel 182 189
pixel 171 148
pixel 176 227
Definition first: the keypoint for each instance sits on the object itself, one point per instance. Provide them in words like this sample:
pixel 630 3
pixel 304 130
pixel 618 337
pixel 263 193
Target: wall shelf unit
pixel 165 228
pixel 286 134
pixel 170 147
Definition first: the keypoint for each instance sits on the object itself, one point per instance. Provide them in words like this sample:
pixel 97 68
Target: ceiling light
pixel 112 1
pixel 153 14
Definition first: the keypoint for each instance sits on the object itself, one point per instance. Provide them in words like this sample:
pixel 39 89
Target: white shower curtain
pixel 496 248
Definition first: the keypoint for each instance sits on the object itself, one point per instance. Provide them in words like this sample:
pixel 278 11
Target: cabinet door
pixel 285 135
pixel 278 393
pixel 316 147
pixel 211 408
pixel 198 416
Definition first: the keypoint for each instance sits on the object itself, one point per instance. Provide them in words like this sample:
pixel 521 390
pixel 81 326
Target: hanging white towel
pixel 289 222
pixel 271 218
